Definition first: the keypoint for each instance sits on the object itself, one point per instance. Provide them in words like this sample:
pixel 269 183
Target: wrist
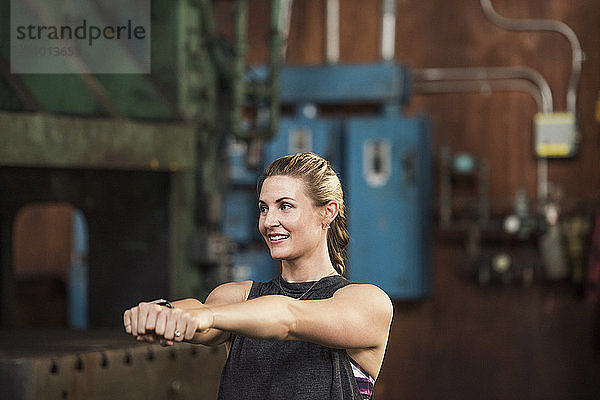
pixel 211 317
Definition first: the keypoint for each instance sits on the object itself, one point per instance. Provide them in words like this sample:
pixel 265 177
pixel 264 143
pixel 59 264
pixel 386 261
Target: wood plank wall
pixel 456 33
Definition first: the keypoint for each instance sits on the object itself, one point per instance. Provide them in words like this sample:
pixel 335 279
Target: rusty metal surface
pixel 104 365
pixel 44 140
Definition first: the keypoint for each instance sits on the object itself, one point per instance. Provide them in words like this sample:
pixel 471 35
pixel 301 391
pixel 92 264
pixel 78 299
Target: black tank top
pixel 258 369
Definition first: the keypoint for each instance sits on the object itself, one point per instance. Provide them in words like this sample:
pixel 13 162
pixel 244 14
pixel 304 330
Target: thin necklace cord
pixel 279 279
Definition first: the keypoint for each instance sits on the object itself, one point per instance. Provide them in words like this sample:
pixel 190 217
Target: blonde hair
pixel 322 185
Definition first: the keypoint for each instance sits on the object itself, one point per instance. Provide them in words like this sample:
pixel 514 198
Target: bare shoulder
pixel 228 293
pixel 370 296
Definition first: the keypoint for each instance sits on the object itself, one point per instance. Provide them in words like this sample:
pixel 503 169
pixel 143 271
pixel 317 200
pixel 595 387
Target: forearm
pixel 267 317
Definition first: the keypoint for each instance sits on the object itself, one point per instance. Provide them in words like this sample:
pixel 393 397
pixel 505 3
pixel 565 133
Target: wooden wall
pixel 456 33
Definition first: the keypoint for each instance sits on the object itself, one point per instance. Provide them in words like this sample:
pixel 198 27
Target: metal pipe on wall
pixel 545 25
pixel 280 22
pixel 388 30
pixel 284 22
pixel 434 80
pixel 482 87
pixel 332 50
pixel 489 73
pixel 239 65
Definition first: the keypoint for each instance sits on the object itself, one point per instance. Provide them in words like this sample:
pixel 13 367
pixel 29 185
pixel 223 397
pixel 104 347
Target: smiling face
pixel 289 221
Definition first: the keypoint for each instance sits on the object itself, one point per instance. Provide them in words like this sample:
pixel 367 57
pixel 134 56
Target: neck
pixel 294 271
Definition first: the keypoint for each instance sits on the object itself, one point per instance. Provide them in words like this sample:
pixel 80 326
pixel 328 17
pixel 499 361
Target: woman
pixel 308 333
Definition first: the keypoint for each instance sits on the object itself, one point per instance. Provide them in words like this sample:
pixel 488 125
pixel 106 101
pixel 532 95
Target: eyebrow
pixel 278 200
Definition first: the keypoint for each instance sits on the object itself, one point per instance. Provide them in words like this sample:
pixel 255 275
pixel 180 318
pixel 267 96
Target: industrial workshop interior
pixel 466 135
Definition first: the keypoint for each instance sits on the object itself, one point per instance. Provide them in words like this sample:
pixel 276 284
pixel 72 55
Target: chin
pixel 277 256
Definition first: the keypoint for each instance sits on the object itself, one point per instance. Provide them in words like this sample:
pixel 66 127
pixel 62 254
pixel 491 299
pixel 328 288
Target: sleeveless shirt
pixel 258 369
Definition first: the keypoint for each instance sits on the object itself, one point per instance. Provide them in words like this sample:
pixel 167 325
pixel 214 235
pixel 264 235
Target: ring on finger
pixel 177 333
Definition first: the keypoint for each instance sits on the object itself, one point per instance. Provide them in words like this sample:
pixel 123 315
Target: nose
pixel 269 219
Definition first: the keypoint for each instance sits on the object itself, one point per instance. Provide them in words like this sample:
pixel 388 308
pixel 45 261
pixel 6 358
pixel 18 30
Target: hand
pixel 149 322
pixel 185 322
pixel 141 319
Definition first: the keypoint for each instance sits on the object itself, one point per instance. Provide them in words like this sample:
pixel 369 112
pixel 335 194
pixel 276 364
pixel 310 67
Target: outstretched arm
pixel 356 317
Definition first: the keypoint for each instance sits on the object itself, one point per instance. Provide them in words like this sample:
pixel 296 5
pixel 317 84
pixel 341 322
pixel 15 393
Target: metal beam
pixel 44 140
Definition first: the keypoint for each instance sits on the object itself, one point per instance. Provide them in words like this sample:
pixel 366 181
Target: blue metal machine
pixel 387 173
pixel 307 132
pixel 383 160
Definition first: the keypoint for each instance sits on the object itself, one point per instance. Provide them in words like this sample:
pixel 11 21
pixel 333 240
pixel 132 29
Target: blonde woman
pixel 307 334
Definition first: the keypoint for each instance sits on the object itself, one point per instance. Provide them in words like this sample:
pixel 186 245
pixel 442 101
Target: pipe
pixel 332 50
pixel 494 78
pixel 209 31
pixel 483 87
pixel 238 88
pixel 545 25
pixel 280 20
pixel 388 30
pixel 489 73
pixel 284 22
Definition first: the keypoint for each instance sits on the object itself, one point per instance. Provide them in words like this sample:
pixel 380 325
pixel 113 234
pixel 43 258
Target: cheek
pixel 261 225
pixel 293 219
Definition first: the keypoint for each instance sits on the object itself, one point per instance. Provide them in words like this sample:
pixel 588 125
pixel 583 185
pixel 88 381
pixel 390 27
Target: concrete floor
pixel 467 342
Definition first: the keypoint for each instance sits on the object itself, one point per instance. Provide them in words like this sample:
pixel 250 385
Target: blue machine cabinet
pixel 254 264
pixel 239 216
pixel 387 173
pixel 384 163
pixel 301 133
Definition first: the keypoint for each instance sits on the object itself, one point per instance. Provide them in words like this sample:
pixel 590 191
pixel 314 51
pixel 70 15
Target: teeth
pixel 278 237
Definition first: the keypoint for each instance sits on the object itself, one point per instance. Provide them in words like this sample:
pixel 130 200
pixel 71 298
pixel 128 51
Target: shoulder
pixel 370 296
pixel 228 293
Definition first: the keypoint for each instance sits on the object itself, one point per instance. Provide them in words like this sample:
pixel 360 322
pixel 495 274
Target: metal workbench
pixel 103 364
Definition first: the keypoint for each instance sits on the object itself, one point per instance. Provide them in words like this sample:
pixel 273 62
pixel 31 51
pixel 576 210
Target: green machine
pixel 138 153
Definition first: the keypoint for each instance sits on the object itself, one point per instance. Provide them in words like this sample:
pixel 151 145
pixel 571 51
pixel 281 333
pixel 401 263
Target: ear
pixel 330 211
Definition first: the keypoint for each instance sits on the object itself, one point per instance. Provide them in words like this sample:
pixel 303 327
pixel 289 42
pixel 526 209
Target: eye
pixel 285 206
pixel 262 208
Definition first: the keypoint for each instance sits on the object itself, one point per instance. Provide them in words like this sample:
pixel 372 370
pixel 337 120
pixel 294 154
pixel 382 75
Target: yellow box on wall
pixel 555 135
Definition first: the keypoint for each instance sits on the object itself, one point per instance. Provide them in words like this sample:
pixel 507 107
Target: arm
pixel 340 321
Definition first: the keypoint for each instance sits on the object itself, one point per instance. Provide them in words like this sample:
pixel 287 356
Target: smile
pixel 277 238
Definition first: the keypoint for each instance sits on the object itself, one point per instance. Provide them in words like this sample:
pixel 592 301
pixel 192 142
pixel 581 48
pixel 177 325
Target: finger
pixel 166 343
pixel 171 325
pixel 142 317
pixel 161 323
pixel 134 320
pixel 148 337
pixel 180 328
pixel 190 330
pixel 127 320
pixel 151 319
